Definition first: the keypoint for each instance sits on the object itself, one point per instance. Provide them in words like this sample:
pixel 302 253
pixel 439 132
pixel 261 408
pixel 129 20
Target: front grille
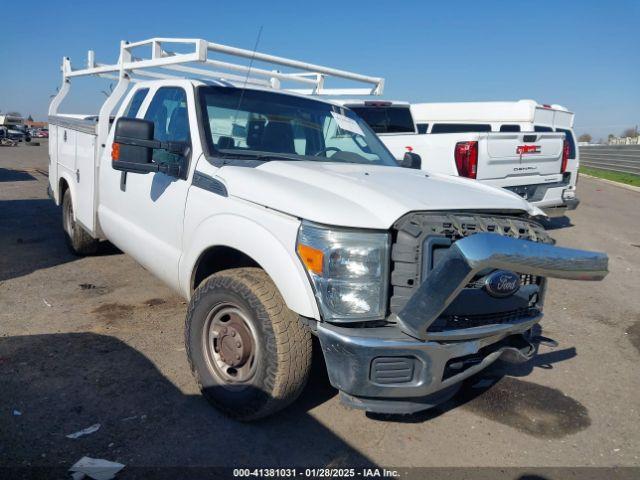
pixel 439 230
pixel 456 322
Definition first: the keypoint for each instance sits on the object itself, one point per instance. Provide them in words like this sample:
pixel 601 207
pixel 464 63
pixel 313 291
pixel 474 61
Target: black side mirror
pixel 133 145
pixel 411 160
pixel 130 150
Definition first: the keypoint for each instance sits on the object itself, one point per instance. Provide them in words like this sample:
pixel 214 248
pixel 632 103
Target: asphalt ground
pixel 100 340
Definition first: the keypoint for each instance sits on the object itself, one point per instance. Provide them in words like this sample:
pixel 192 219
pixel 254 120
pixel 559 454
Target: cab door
pixel 144 215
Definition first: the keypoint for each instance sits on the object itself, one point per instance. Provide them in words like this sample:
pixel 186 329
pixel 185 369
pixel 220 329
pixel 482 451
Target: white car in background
pixel 522 146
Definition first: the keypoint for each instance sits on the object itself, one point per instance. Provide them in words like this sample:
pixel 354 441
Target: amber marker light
pixel 115 151
pixel 312 258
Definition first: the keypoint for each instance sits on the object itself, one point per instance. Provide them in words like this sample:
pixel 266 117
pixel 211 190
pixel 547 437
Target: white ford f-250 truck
pixel 280 216
pixel 521 146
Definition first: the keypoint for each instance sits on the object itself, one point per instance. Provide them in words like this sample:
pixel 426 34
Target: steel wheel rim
pixel 230 346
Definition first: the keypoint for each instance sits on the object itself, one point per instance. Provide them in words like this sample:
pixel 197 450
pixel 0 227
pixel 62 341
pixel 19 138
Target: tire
pixel 266 379
pixel 78 240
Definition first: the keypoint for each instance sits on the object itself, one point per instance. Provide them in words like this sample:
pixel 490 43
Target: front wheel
pixel 249 353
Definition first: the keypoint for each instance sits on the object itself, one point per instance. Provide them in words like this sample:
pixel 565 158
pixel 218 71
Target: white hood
pixel 363 196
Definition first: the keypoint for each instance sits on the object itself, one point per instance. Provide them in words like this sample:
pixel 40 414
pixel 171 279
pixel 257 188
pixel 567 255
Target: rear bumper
pixel 405 368
pixel 561 209
pixel 555 199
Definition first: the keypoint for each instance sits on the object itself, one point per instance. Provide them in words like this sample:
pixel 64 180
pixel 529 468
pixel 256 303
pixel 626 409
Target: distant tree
pixel 30 118
pixel 630 132
pixel 585 137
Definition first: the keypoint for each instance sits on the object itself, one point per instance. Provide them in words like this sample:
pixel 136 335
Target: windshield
pixel 273 126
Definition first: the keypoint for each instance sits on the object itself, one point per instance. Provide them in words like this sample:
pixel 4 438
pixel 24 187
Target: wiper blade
pixel 266 156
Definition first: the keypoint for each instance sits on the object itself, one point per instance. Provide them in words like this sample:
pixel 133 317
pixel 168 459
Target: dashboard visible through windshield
pixel 273 126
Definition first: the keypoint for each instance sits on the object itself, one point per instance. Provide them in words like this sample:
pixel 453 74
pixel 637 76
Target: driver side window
pixel 168 112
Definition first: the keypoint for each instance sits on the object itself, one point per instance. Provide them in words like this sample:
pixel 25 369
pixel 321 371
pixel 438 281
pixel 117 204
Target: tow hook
pixel 524 347
pixel 521 352
pixel 546 341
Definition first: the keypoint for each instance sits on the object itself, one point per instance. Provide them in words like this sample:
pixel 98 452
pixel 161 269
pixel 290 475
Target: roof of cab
pixel 199 82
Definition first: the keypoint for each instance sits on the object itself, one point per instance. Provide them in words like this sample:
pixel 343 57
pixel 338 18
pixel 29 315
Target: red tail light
pixel 466 155
pixel 565 156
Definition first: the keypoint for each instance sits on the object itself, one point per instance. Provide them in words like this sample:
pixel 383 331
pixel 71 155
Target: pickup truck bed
pixel 530 164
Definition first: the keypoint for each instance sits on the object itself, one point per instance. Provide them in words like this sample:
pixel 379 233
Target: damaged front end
pixel 466 289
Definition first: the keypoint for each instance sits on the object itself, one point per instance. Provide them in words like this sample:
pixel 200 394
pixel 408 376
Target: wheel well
pixel 62 188
pixel 216 259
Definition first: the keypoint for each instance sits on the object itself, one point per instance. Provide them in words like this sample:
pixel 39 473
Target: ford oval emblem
pixel 502 283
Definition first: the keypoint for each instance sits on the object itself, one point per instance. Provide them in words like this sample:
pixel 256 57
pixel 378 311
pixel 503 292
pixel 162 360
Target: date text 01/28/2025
pixel 315 473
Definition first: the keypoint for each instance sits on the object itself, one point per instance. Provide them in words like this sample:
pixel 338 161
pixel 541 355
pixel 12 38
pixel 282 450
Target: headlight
pixel 349 270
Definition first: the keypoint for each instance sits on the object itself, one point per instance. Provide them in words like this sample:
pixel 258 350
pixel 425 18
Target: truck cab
pixel 280 215
pixel 524 147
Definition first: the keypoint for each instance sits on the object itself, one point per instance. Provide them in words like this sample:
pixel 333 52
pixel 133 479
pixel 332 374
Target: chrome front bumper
pixel 404 368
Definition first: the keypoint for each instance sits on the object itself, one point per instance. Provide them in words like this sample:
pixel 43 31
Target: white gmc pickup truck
pixel 513 145
pixel 280 216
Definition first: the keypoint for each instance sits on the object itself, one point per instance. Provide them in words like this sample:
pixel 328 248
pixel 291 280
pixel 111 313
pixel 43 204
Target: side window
pixel 540 128
pixel 423 127
pixel 168 112
pixel 509 128
pixel 136 103
pixel 572 144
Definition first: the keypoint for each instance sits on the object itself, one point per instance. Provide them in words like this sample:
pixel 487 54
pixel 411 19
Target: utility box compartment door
pixel 85 203
pixel 67 148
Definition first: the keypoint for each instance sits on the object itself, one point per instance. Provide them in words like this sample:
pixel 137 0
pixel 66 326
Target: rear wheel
pixel 78 240
pixel 249 353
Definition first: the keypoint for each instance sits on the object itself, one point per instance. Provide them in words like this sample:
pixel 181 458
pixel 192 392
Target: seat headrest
pixel 226 142
pixel 278 137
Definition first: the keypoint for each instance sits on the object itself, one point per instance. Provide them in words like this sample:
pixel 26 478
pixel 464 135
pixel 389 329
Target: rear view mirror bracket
pixel 411 160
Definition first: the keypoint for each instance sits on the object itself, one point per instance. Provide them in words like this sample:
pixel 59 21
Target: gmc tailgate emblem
pixel 521 149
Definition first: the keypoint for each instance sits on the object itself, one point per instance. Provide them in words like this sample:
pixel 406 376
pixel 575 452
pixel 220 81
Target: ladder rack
pixel 193 60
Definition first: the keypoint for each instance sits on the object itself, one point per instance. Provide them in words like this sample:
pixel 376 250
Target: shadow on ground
pixel 499 395
pixel 10 175
pixel 31 238
pixel 62 383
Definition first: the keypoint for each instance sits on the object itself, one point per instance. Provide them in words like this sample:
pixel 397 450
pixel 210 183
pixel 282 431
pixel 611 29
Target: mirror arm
pixel 171 169
pixel 178 148
pixel 137 142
